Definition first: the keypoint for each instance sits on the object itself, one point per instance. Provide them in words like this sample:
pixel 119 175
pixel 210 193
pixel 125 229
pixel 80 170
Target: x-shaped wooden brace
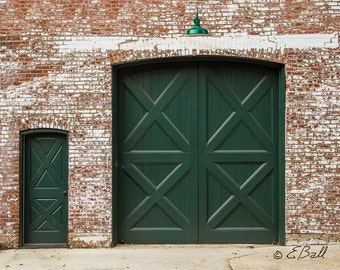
pixel 46 164
pixel 156 195
pixel 241 113
pixel 240 195
pixel 45 215
pixel 155 112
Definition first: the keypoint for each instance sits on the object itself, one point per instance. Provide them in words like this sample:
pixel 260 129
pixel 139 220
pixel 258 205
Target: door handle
pixel 65 192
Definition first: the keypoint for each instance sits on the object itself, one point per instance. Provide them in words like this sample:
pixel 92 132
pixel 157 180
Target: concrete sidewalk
pixel 166 257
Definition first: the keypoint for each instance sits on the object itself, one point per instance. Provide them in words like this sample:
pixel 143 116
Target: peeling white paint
pixel 306 41
pixel 229 41
pixel 91 239
pixel 309 242
pixel 91 43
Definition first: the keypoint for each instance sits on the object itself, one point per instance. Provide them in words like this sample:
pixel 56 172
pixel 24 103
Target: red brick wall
pixel 56 57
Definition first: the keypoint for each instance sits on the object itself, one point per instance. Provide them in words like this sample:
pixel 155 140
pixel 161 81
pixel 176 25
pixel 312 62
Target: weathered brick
pixel 55 72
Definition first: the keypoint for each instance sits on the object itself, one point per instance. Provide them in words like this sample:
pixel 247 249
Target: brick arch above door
pixel 121 57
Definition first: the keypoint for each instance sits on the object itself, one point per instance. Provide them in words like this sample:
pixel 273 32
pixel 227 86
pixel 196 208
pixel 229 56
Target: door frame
pixel 23 136
pixel 279 67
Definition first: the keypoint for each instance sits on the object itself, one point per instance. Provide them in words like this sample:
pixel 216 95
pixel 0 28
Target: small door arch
pixel 44 188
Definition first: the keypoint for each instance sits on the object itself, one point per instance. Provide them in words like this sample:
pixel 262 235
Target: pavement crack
pixel 238 257
pixel 10 259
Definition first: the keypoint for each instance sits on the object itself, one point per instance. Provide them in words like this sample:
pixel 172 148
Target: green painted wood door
pixel 45 189
pixel 198 154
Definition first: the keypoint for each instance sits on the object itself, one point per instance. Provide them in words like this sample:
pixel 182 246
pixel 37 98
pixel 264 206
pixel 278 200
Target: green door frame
pixel 281 125
pixel 23 135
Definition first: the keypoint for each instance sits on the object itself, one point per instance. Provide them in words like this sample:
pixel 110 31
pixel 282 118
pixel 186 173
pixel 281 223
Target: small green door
pixel 45 169
pixel 197 153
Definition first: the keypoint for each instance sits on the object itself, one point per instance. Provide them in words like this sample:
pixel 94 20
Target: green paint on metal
pixel 197 29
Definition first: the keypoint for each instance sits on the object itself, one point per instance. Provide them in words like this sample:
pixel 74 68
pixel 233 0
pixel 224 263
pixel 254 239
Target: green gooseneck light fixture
pixel 197 29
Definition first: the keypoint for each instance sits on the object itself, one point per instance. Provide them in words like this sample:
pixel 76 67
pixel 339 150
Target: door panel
pixel 45 189
pixel 158 162
pixel 198 154
pixel 237 155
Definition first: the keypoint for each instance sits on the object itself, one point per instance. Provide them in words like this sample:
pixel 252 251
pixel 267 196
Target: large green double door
pixel 197 153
